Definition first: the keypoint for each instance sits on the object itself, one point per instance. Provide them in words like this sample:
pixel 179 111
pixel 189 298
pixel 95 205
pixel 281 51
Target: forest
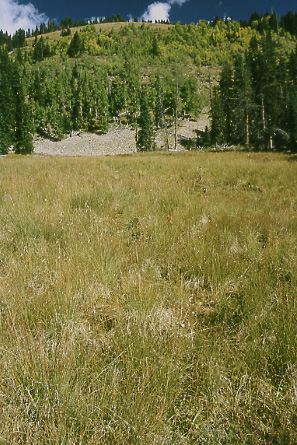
pixel 148 76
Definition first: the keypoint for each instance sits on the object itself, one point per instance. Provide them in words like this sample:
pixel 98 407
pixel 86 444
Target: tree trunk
pixel 247 131
pixel 176 105
pixel 263 116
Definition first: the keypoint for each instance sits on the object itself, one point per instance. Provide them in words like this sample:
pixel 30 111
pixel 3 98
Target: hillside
pixel 93 77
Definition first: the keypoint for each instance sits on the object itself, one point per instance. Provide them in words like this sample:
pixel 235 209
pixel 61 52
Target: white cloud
pixel 157 11
pixel 14 16
pixel 160 10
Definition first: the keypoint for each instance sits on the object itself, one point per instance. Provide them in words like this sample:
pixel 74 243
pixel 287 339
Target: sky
pixel 27 14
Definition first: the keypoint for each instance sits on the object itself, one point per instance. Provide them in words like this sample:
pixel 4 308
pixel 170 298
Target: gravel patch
pixel 89 144
pixel 116 142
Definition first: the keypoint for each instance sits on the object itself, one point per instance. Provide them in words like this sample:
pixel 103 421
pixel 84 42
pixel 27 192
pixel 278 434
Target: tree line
pixel 18 39
pixel 286 24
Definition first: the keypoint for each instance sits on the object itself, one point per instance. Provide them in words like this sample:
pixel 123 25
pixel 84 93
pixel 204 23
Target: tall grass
pixel 148 299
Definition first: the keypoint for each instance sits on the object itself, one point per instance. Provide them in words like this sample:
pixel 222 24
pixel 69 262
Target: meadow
pixel 148 299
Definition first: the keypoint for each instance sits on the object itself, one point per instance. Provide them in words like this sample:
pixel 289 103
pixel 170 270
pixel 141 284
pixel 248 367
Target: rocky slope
pixel 118 140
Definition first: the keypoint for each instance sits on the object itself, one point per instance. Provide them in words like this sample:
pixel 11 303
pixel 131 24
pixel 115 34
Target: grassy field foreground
pixel 148 299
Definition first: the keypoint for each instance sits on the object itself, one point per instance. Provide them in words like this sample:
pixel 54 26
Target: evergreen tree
pixel 222 108
pixel 159 106
pixel 218 125
pixel 145 141
pixel 75 46
pixel 263 63
pixel 190 99
pixel 292 117
pixel 7 103
pixel 18 39
pixel 226 87
pixel 101 104
pixel 23 139
pixel 293 65
pixel 270 87
pixel 242 103
pixel 130 76
pixel 117 96
pixel 159 111
pixel 76 98
pixel 155 48
pixel 39 49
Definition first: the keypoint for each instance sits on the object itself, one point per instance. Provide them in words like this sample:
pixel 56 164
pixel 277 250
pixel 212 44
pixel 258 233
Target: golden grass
pixel 148 299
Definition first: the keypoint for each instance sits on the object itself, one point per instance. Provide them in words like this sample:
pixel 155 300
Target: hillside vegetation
pixel 148 76
pixel 148 299
pixel 98 27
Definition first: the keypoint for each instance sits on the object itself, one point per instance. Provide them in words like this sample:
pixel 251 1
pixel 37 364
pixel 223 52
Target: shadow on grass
pixel 292 157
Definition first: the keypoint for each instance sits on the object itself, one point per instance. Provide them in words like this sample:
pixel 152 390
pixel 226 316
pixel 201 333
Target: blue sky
pixel 27 14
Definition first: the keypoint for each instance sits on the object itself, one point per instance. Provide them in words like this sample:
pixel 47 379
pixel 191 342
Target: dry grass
pixel 148 299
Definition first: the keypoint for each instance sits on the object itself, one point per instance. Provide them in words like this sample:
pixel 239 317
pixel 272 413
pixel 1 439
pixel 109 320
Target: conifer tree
pixel 145 141
pixel 270 86
pixel 227 96
pixel 7 108
pixel 23 138
pixel 159 106
pixel 218 126
pixel 292 117
pixel 75 46
pixel 263 63
pixel 222 108
pixel 190 99
pixel 38 51
pixel 76 107
pixel 159 112
pixel 102 113
pixel 242 103
pixel 293 65
pixel 155 48
pixel 117 96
